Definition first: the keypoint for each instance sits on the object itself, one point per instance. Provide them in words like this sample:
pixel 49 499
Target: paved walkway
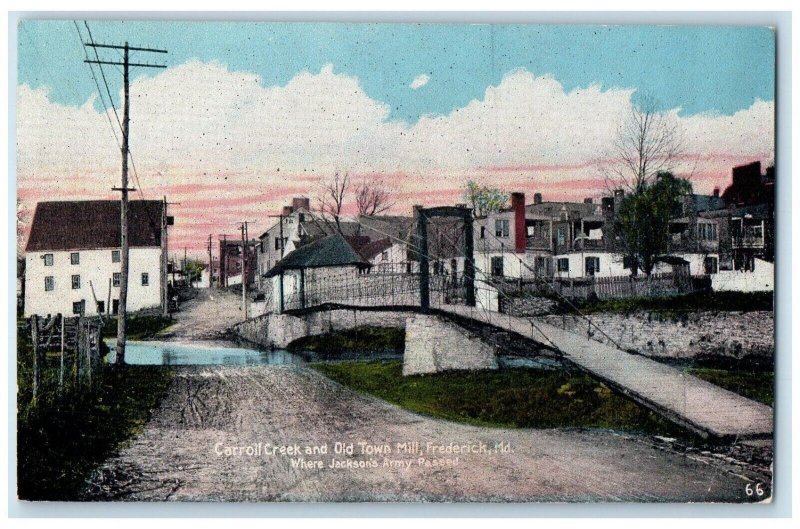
pixel 686 399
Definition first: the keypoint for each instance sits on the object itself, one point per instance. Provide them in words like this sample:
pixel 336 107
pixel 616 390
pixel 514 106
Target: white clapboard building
pixel 73 257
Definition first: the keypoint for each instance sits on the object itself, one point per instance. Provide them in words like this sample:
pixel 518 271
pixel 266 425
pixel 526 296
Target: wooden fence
pixel 77 343
pixel 616 287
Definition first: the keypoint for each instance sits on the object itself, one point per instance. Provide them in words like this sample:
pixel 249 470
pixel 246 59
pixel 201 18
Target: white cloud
pixel 201 124
pixel 420 81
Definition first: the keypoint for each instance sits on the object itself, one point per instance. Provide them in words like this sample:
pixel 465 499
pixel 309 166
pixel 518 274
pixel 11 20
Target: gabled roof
pixel 368 251
pixel 93 224
pixel 333 250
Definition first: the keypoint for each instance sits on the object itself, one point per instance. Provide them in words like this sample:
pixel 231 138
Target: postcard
pixel 390 262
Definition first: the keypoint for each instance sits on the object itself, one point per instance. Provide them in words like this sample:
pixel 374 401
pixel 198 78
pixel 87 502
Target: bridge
pixel 695 404
pixel 392 299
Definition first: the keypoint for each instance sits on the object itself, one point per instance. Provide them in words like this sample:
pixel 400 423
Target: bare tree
pixel 649 142
pixel 332 198
pixel 373 198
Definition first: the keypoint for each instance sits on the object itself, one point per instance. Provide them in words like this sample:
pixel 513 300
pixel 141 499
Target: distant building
pixel 232 259
pixel 73 257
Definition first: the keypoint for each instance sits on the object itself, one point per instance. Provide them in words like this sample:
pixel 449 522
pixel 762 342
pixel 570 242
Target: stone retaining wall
pixel 279 330
pixel 729 334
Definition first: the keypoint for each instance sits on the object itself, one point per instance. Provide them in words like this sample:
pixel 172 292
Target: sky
pixel 248 115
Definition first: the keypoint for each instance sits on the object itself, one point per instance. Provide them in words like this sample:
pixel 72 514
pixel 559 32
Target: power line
pixel 100 63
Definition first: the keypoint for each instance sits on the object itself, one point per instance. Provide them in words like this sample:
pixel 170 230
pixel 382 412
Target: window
pixel 145 279
pixel 115 306
pixel 49 284
pixel 497 267
pixel 483 232
pixel 541 265
pixel 117 278
pixel 76 282
pixel 592 265
pixel 563 264
pixel 48 259
pixel 114 256
pixel 561 235
pixel 278 243
pixel 78 307
pixel 530 231
pixel 408 268
pixel 707 231
pixel 101 307
pixel 711 265
pixel 501 227
pixel 384 256
pixel 74 258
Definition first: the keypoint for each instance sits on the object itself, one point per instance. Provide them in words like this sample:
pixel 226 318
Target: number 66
pixel 759 490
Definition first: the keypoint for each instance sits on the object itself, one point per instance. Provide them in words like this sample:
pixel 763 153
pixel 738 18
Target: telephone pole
pixel 244 268
pixel 123 189
pixel 210 265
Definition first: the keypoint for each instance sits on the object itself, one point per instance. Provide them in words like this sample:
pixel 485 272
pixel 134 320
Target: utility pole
pixel 244 268
pixel 280 228
pixel 164 264
pixel 223 257
pixel 123 287
pixel 165 258
pixel 210 264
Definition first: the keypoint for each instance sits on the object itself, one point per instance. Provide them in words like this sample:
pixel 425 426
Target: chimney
pixel 716 192
pixel 301 202
pixel 619 195
pixel 608 204
pixel 286 211
pixel 518 207
pixel 537 198
pixel 587 200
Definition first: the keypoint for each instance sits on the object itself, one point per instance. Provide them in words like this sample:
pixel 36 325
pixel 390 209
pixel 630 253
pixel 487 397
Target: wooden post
pixel 36 368
pixel 61 367
pixel 424 272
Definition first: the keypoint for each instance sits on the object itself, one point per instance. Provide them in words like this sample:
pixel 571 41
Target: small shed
pixel 320 266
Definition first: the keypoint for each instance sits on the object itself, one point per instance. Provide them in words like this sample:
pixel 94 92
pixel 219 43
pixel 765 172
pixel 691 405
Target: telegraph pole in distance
pixel 244 269
pixel 210 264
pixel 123 286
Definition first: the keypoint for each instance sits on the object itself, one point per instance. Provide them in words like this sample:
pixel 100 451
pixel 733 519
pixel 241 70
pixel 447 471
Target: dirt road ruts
pixel 180 455
pixel 206 317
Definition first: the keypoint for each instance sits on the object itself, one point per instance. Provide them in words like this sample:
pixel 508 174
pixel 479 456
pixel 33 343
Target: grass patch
pixel 758 385
pixel 515 398
pixel 366 340
pixel 58 446
pixel 138 327
pixel 706 301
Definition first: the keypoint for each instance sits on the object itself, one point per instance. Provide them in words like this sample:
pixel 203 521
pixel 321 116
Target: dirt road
pixel 215 436
pixel 206 317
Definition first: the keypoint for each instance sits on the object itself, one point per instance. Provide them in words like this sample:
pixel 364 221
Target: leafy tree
pixel 642 222
pixel 194 270
pixel 483 199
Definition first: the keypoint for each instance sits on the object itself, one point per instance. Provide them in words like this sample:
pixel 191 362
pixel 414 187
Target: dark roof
pixel 91 224
pixel 707 202
pixel 333 250
pixel 554 209
pixel 374 248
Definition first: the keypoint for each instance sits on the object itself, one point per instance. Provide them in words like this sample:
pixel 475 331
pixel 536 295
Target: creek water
pixel 198 353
